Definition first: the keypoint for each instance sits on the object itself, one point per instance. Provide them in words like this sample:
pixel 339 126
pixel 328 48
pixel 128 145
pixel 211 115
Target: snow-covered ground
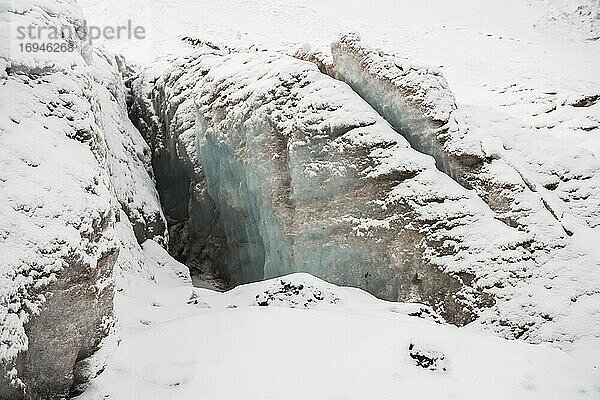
pixel 524 59
pixel 298 337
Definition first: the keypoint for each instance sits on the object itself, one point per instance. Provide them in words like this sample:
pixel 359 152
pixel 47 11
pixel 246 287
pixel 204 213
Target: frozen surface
pixel 69 159
pixel 298 166
pixel 56 212
pixel 524 76
pixel 307 177
pixel 128 155
pixel 520 58
pixel 416 100
pixel 312 339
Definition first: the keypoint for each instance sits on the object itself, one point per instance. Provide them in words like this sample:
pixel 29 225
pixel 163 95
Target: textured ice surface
pixel 553 296
pixel 416 100
pixel 69 159
pixel 305 176
pixel 128 155
pixel 531 181
pixel 165 113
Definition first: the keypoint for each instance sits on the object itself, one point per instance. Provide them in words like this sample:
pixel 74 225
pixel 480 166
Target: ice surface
pixel 307 177
pixel 531 101
pixel 282 155
pixel 69 159
pixel 418 103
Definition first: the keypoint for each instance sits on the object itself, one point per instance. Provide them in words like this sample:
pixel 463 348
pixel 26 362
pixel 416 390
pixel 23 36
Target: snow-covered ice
pixel 510 246
pixel 297 337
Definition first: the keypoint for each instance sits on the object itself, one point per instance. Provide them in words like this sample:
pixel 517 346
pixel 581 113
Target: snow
pixel 456 223
pixel 68 156
pixel 489 52
pixel 177 341
pixel 524 76
pixel 577 19
pixel 128 155
pixel 244 96
pixel 51 207
pixel 522 158
pixel 182 342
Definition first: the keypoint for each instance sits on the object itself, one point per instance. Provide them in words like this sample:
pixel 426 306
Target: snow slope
pixel 298 337
pixel 513 56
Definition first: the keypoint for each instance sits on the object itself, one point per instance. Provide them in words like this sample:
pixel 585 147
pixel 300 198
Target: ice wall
pixel 416 100
pixel 70 160
pixel 300 173
pixel 163 110
pixel 303 175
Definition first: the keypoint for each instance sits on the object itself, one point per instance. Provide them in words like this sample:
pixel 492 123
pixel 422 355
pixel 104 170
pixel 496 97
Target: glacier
pixel 305 176
pixel 355 164
pixel 416 100
pixel 71 159
pixel 290 169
